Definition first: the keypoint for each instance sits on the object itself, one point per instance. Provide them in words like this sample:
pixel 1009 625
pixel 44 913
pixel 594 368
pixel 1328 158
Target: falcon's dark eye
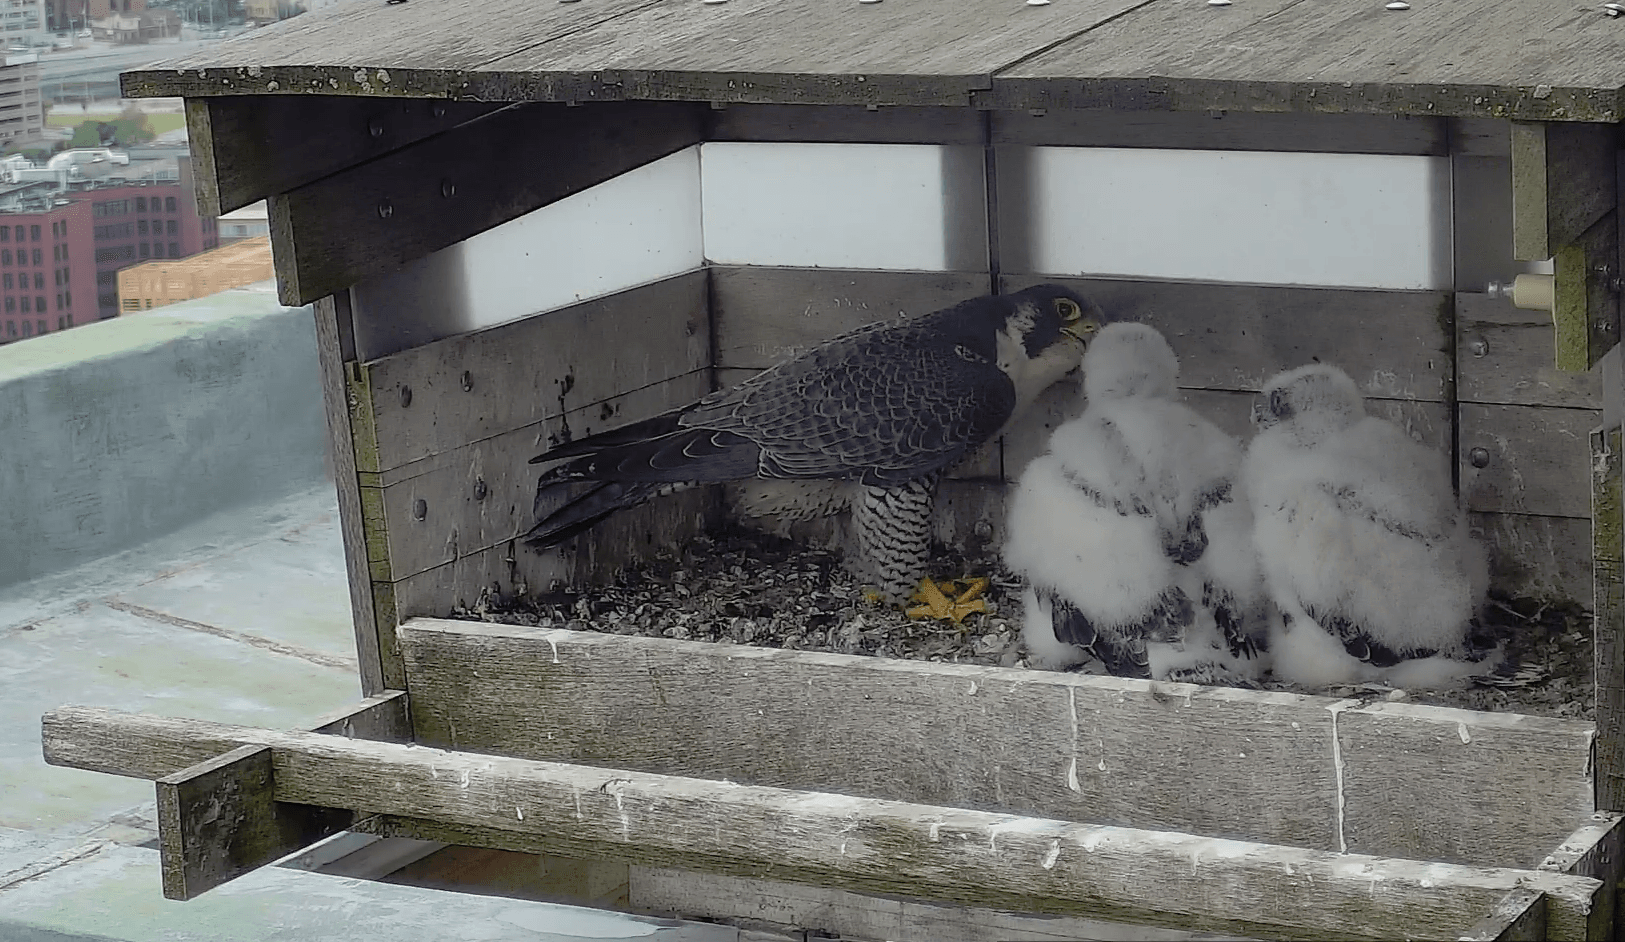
pixel 1069 310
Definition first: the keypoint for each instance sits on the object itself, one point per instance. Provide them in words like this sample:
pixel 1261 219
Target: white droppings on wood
pixel 1072 775
pixel 519 813
pixel 935 833
pixel 972 690
pixel 555 646
pixel 1337 769
pixel 1461 730
pixel 462 779
pixel 1053 855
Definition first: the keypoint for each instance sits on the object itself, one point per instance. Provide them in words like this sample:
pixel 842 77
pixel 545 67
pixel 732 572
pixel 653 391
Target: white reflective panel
pixel 878 206
pixel 635 228
pixel 1354 220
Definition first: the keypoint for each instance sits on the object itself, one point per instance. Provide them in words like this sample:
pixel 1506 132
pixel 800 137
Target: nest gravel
pixel 746 587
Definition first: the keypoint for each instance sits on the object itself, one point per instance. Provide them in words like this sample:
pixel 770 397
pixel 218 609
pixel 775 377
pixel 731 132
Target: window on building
pixel 5 281
pixel 106 277
pixel 11 305
pixel 5 254
pixel 39 257
pixel 68 318
pixel 11 327
pixel 59 302
pixel 141 226
pixel 20 233
pixel 42 320
pixel 110 208
pixel 28 328
pixel 169 205
pixel 59 324
pixel 174 250
pixel 65 248
pixel 140 204
pixel 54 230
pixel 69 296
pixel 169 227
pixel 107 302
pixel 132 304
pixel 25 303
pixel 39 305
pixel 33 233
pixel 157 250
pixel 5 233
pixel 39 281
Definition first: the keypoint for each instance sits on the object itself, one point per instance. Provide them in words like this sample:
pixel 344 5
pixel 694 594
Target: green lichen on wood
pixel 375 525
pixel 1570 317
pixel 363 422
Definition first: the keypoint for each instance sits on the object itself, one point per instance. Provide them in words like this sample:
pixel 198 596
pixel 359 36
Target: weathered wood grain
pixel 1563 181
pixel 1457 59
pixel 1520 916
pixel 252 147
pixel 370 219
pixel 1537 458
pixel 1492 818
pixel 511 568
pixel 846 124
pixel 1505 355
pixel 1395 344
pixel 1223 130
pixel 383 717
pixel 518 374
pixel 219 819
pixel 1538 557
pixel 1585 316
pixel 1480 137
pixel 847 915
pixel 1607 544
pixel 937 853
pixel 478 495
pixel 1081 748
pixel 1593 850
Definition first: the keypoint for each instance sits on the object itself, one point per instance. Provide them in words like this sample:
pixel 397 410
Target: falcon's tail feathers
pixel 586 510
pixel 663 424
pixel 680 456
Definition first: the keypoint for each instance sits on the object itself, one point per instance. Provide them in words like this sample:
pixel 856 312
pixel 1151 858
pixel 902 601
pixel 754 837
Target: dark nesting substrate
pixel 746 587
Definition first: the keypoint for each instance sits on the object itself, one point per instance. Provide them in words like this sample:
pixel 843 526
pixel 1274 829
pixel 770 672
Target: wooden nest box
pixel 515 217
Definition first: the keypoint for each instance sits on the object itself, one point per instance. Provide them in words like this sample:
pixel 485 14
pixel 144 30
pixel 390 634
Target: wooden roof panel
pixel 1530 59
pixel 1495 58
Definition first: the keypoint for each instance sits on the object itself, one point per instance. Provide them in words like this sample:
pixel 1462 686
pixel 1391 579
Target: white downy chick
pixel 1130 532
pixel 1364 549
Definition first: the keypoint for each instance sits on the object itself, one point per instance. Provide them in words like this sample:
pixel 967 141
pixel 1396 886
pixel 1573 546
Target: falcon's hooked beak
pixel 1077 323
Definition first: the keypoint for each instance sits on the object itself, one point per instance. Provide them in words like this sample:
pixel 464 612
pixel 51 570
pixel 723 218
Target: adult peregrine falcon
pixel 868 419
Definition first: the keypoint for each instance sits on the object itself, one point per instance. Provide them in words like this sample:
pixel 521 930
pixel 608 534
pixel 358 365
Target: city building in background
pixel 249 222
pixel 22 25
pixel 157 283
pixel 22 109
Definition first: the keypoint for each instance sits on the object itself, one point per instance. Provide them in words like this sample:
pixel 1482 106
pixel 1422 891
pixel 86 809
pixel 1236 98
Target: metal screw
pixel 1605 327
pixel 375 127
pixel 1479 457
pixel 420 509
pixel 1478 346
pixel 480 490
pixel 385 210
pixel 1499 289
pixel 406 396
pixel 448 189
pixel 468 381
pixel 438 110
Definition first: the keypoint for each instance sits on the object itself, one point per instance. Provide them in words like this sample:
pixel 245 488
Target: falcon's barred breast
pixel 881 411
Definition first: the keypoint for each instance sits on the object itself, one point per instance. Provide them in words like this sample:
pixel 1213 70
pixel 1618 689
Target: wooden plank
pixel 1520 916
pixel 520 373
pixel 481 494
pixel 1539 557
pixel 1081 748
pixel 1237 336
pixel 846 124
pixel 1223 130
pixel 975 858
pixel 844 914
pixel 376 216
pixel 1585 318
pixel 383 717
pixel 1608 573
pixel 1480 137
pixel 346 444
pixel 1593 850
pixel 511 568
pixel 245 148
pixel 1563 181
pixel 1451 60
pixel 1536 459
pixel 219 819
pixel 1505 355
pixel 1492 818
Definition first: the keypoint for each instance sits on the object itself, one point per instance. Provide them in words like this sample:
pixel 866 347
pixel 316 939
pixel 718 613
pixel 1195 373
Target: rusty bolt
pixel 1478 345
pixel 420 509
pixel 406 396
pixel 480 490
pixel 468 381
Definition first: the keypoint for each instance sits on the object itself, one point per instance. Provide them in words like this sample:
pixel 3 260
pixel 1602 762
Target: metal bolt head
pixel 420 509
pixel 406 396
pixel 1478 345
pixel 480 490
pixel 385 210
pixel 375 127
pixel 438 110
pixel 468 381
pixel 448 189
pixel 1479 457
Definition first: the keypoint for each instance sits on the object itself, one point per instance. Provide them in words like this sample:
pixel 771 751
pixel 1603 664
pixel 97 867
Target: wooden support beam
pixel 249 147
pixel 374 217
pixel 219 819
pixel 1607 545
pixel 1520 916
pixel 1493 788
pixel 976 858
pixel 1563 181
pixel 1596 849
pixel 1586 316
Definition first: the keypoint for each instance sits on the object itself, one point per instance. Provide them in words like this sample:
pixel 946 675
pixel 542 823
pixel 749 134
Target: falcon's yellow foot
pixel 951 599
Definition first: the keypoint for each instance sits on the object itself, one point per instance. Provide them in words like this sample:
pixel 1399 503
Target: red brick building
pixel 59 264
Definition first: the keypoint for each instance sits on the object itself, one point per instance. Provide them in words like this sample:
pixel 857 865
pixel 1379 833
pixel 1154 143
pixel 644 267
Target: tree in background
pixel 130 127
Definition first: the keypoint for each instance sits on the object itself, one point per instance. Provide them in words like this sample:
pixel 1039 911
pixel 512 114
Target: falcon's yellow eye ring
pixel 1068 309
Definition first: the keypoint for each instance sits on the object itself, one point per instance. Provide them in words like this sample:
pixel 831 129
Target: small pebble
pixel 1038 3
pixel 1398 5
pixel 1218 3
